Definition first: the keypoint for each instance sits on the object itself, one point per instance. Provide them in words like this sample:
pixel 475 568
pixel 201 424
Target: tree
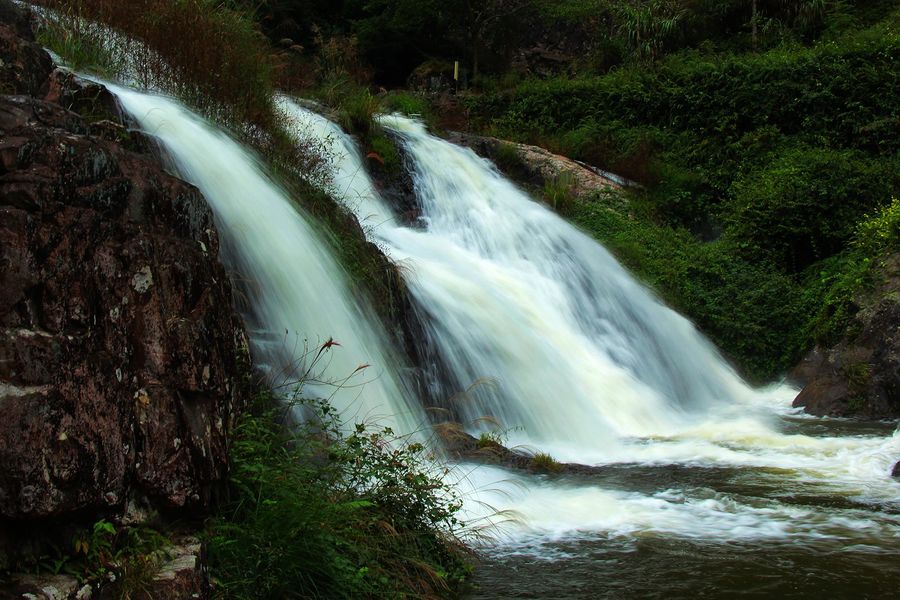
pixel 804 14
pixel 480 21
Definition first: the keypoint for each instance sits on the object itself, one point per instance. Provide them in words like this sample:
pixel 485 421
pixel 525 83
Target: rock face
pixel 537 166
pixel 121 358
pixel 860 376
pixel 24 65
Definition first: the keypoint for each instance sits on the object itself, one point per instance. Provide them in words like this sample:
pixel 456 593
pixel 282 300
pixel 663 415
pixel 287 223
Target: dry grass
pixel 214 55
pixel 212 58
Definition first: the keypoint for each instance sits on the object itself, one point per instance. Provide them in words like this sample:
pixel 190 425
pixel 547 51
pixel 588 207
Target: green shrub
pixel 406 103
pixel 319 513
pixel 804 205
pixel 755 314
pixel 123 560
pixel 834 286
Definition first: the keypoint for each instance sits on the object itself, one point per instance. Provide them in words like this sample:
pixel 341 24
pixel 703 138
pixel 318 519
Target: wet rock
pixel 895 472
pixel 395 185
pixel 43 587
pixel 860 375
pixel 536 166
pixel 121 358
pixel 118 344
pixel 462 446
pixel 183 575
pixel 91 101
pixel 24 65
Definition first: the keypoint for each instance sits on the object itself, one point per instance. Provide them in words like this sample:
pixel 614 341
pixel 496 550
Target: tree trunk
pixel 753 25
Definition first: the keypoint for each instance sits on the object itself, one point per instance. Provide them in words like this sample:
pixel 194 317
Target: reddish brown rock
pixel 118 344
pixel 121 360
pixel 24 65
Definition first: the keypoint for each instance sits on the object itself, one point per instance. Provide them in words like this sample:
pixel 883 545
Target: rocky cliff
pixel 860 375
pixel 121 358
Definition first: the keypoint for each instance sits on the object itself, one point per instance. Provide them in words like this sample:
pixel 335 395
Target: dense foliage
pixel 317 512
pixel 758 167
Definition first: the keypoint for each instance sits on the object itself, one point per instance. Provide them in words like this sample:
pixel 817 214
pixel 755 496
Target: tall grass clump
pixel 317 512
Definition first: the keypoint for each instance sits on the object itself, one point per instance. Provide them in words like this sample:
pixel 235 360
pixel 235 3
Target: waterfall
pixel 588 365
pixel 574 347
pixel 295 291
pixel 585 360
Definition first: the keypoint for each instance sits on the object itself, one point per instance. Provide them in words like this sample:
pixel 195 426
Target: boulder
pixel 860 375
pixel 536 166
pixel 24 65
pixel 118 343
pixel 122 363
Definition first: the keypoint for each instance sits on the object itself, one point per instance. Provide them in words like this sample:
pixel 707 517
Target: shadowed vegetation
pixel 316 512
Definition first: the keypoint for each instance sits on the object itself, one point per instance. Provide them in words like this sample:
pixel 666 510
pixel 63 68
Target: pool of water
pixel 740 532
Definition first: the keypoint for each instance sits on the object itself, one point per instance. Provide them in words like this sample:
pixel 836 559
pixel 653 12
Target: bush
pixel 319 513
pixel 833 287
pixel 804 205
pixel 753 313
pixel 406 103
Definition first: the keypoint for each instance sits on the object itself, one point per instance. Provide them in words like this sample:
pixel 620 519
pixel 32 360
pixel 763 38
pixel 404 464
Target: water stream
pixel 587 365
pixel 293 290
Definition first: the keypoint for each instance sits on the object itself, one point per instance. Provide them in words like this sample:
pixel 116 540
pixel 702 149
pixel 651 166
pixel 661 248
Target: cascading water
pixel 295 290
pixel 595 370
pixel 585 361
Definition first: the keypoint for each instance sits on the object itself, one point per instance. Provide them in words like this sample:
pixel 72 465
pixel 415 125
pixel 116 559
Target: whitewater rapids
pixel 587 365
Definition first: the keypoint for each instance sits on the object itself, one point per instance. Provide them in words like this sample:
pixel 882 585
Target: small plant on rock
pixel 544 463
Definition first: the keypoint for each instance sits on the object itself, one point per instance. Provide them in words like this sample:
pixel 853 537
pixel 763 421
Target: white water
pixel 297 292
pixel 592 368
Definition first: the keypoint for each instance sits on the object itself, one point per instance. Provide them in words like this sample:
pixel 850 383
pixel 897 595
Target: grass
pixel 558 192
pixel 84 46
pixel 544 463
pixel 210 56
